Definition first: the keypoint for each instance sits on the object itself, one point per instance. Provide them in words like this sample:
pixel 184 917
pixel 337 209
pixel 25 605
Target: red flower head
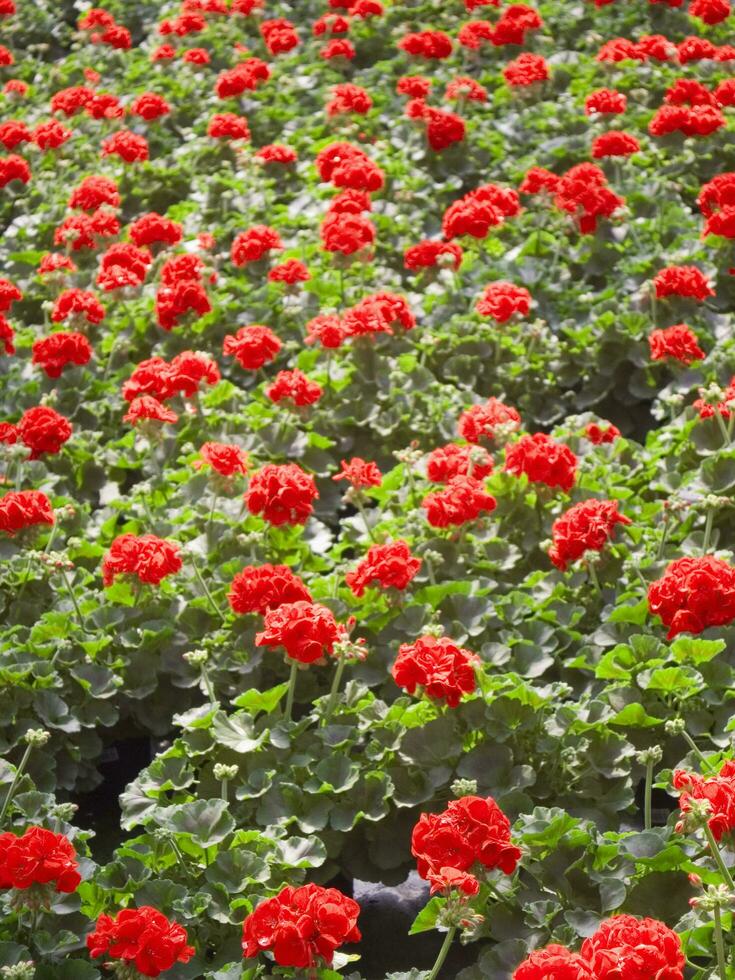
pixel 471 215
pixel 78 304
pixel 141 938
pixel 225 459
pixel 294 387
pixel 244 77
pixel 346 233
pixel 39 857
pixel 586 526
pixel 694 594
pixel 188 370
pixel 444 671
pixel 471 831
pixel 150 106
pixel 583 193
pixel 328 330
pixel 127 145
pixel 146 408
pixel 554 963
pixel 55 352
pixel 688 91
pixel 282 494
pixel 290 272
pixel 526 69
pixel 9 294
pixel 182 298
pixel 634 949
pixel 229 126
pixel 682 280
pixel 338 48
pixel 501 300
pixel 539 180
pixel 447 880
pixel 462 500
pixel 543 460
pixel 253 346
pixel 93 192
pixel 719 791
pixel 302 926
pixel 347 166
pixel 415 86
pixel 386 566
pixel 7 336
pixel 306 630
pixel 259 588
pixel 347 98
pixel 446 462
pixel 489 421
pixel 254 244
pixel 598 434
pixel 432 45
pixel 85 231
pixel 149 558
pixel 13 133
pixel 53 262
pixel 43 430
pixel 14 168
pixel 605 101
pixel 465 87
pixel 678 343
pixel 277 153
pixel 279 35
pixel 155 229
pixel 194 56
pixel 24 508
pixel 359 473
pixel 427 254
pixel 614 144
pixel 710 11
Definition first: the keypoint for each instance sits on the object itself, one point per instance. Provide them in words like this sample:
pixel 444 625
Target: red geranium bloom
pixel 224 458
pixel 433 45
pixel 614 144
pixel 598 434
pixel 718 790
pixel 682 280
pixel 86 231
pixel 53 262
pixel 688 91
pixel 543 460
pixel 149 558
pixel 346 233
pixel 710 11
pixel 14 168
pixel 387 566
pixel 7 336
pixel 127 145
pixel 348 166
pixel 677 342
pixel 277 153
pixel 447 880
pixel 142 938
pixel 302 926
pixel 9 294
pixel 294 387
pixel 416 86
pixel 279 35
pixel 43 430
pixel 359 473
pixel 502 300
pixel 22 509
pixel 150 106
pixel 253 346
pixel 482 422
pixel 194 56
pixel 444 671
pixel 634 949
pixel 328 330
pixel 555 962
pixel 337 48
pixel 282 494
pixel 54 352
pixel 605 101
pixel 146 408
pixel 228 125
pixel 291 271
pixel 306 630
pixel 244 77
pixel 155 229
pixel 39 857
pixel 446 462
pixel 93 192
pixel 259 588
pixel 428 254
pixel 526 69
pixel 471 831
pixel 465 87
pixel 348 98
pixel 694 594
pixel 462 500
pixel 583 193
pixel 586 526
pixel 77 303
pixel 253 244
pixel 13 133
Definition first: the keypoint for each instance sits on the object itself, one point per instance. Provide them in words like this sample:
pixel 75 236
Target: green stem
pixel 206 680
pixel 721 424
pixel 647 819
pixel 695 748
pixel 363 514
pixel 334 692
pixel 291 690
pixel 720 944
pixel 224 790
pixel 442 954
pixel 206 591
pixel 73 598
pixel 179 857
pixel 721 866
pixel 708 530
pixel 592 572
pixel 14 785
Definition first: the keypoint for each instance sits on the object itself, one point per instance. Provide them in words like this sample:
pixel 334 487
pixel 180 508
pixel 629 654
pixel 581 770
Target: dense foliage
pixel 366 425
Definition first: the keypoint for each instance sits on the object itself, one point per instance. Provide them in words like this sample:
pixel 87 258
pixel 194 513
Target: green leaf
pixel 255 701
pixel 207 822
pixel 426 919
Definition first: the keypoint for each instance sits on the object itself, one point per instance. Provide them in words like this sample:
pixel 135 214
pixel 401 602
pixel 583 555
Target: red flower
pixel 694 594
pixel 446 462
pixel 471 831
pixel 282 494
pixel 149 558
pixel 155 229
pixel 9 294
pixel 7 336
pixel 542 460
pixel 93 192
pixel 302 926
pixel 294 387
pixel 719 791
pixel 359 473
pixel 244 77
pixel 699 120
pixel 224 458
pixel 338 48
pixel 688 91
pixel 85 231
pixel 259 588
pixel 387 566
pixel 53 262
pixel 306 630
pixel 276 153
pixel 328 330
pixel 39 857
pixel 554 963
pixel 54 352
pixel 488 421
pixel 447 880
pixel 142 938
pixel 598 435
pixel 346 233
pixel 627 948
pixel 279 35
pixel 127 145
pixel 682 280
pixel 253 346
pixel 348 98
pixel 291 271
pixel 14 168
pixel 150 106
pixel 465 87
pixel 586 526
pixel 194 56
pixel 181 298
pixel 677 342
pixel 345 165
pixel 253 244
pixel 710 11
pixel 427 254
pixel 614 144
pixel 228 125
pixel 43 430
pixel 501 300
pixel 433 45
pixel 605 101
pixel 188 370
pixel 13 133
pixel 77 303
pixel 462 500
pixel 24 508
pixel 443 128
pixel 51 135
pixel 583 193
pixel 147 408
pixel 416 86
pixel 444 671
pixel 526 69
